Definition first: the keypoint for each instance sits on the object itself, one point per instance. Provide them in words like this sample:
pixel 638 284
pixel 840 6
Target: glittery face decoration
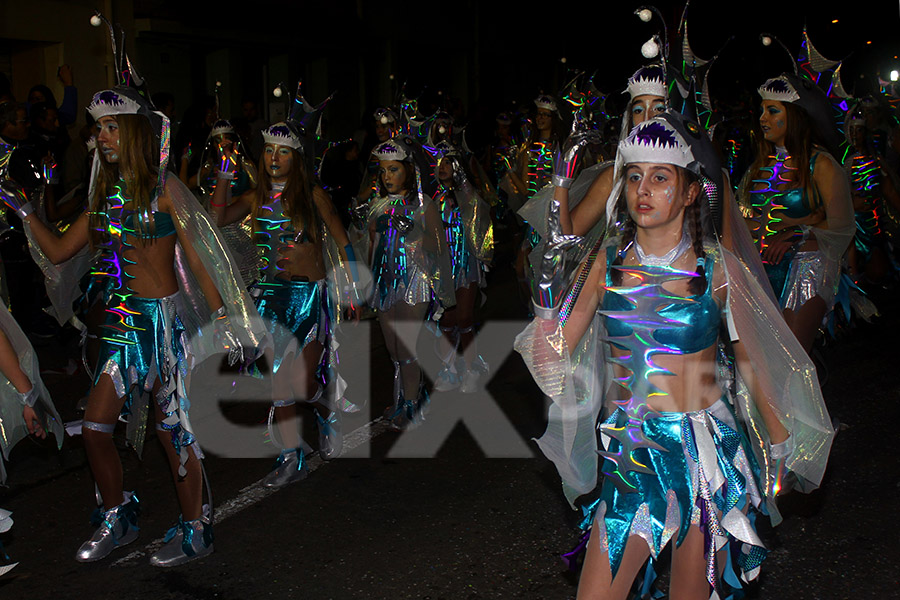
pixel 108 138
pixel 278 161
pixel 393 176
pixel 652 194
pixel 646 107
pixel 773 121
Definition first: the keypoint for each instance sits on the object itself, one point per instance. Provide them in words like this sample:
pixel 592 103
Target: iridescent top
pixel 275 231
pixel 692 323
pixel 119 224
pixel 769 203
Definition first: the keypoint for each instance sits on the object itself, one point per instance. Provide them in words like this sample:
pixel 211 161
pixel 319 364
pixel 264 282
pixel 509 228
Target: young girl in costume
pixel 796 200
pixel 690 448
pixel 169 277
pixel 301 241
pixel 469 235
pixel 410 267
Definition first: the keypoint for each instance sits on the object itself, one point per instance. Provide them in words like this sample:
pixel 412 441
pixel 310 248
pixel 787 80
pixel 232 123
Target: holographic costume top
pixel 865 184
pixel 768 202
pixel 693 322
pixel 274 231
pixel 465 250
pixel 399 268
pixel 646 320
pixel 118 224
pixel 538 157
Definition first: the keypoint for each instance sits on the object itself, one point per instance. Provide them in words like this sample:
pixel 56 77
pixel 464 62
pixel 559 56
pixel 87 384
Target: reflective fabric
pixel 466 269
pixel 398 269
pixel 142 343
pixel 803 279
pixel 703 475
pixel 12 423
pixel 294 313
pixel 701 315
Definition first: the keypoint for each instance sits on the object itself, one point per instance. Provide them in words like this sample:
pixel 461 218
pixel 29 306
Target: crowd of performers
pixel 678 284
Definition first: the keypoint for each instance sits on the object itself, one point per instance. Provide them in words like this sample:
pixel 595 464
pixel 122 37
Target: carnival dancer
pixel 410 268
pixel 534 159
pixel 470 240
pixel 301 242
pixel 582 207
pixel 875 200
pixel 237 235
pixel 690 448
pixel 25 405
pixel 174 298
pixel 796 200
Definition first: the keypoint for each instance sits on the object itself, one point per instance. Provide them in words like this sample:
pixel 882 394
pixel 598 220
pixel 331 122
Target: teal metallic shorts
pixel 141 344
pixel 294 313
pixel 705 475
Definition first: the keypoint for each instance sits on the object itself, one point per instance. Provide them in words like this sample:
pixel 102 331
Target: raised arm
pixel 225 211
pixel 592 208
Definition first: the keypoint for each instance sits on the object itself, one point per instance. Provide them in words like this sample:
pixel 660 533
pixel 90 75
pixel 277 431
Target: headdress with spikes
pixel 809 87
pixel 129 97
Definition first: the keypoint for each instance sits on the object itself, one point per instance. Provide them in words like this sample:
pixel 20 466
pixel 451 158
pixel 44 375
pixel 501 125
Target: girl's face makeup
pixel 108 138
pixel 278 161
pixel 646 107
pixel 445 170
pixel 654 194
pixel 393 176
pixel 773 121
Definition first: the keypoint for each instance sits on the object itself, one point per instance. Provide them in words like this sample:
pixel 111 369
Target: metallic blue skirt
pixel 142 343
pixel 294 313
pixel 705 475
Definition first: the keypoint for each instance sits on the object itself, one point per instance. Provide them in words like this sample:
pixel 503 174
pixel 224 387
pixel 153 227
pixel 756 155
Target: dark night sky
pixel 506 53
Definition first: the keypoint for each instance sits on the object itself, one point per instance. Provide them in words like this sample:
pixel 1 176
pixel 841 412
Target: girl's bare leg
pixel 688 580
pixel 805 322
pixel 100 418
pixel 597 582
pixel 401 325
pixel 465 315
pixel 190 487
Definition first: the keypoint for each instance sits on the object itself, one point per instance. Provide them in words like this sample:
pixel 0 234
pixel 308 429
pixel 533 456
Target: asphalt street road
pixel 463 507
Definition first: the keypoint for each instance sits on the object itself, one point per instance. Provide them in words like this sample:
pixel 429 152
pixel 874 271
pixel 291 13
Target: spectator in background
pixel 68 110
pixel 255 125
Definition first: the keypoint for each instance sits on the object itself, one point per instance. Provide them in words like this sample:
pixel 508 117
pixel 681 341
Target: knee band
pixel 98 427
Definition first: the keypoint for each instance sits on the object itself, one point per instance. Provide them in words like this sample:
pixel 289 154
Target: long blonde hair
pixel 137 168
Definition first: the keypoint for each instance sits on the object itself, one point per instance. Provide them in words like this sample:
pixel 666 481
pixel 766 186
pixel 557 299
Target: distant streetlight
pixel 895 75
pixel 834 21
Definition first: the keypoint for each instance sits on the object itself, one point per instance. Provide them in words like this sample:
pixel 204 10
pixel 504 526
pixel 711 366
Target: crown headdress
pixel 655 141
pixel 282 134
pixel 778 89
pixel 648 80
